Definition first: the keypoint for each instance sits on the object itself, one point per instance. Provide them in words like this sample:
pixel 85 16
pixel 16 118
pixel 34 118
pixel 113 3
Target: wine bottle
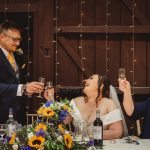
pixel 11 124
pixel 98 130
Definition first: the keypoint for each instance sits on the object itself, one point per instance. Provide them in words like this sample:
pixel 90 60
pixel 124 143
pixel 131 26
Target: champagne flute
pixel 91 137
pixel 48 86
pixel 41 80
pixel 121 73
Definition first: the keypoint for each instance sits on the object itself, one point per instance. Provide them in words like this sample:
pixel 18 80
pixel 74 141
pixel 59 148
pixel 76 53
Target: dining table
pixel 119 144
pixel 123 144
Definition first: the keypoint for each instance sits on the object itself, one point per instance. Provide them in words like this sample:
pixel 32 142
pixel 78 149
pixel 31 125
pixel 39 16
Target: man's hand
pixel 34 87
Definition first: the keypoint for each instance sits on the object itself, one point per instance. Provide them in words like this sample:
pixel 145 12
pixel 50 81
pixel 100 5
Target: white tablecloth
pixel 121 144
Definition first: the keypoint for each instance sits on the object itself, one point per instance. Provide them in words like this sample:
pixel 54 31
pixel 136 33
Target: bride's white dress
pixel 107 119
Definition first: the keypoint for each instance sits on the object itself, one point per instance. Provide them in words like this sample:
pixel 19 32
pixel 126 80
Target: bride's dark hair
pixel 106 88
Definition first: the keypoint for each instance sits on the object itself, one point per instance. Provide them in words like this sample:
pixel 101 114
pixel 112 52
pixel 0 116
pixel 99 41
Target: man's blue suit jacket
pixel 9 85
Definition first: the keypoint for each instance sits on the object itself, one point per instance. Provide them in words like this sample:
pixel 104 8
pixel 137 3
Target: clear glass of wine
pixel 121 73
pixel 48 86
pixel 78 131
pixel 41 80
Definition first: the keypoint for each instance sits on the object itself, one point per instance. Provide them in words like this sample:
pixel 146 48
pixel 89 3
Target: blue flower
pixel 63 114
pixel 26 148
pixel 48 103
pixel 91 143
pixel 8 138
pixel 3 141
pixel 40 133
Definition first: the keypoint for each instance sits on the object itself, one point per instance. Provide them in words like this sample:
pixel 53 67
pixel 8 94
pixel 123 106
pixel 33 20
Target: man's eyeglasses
pixel 13 38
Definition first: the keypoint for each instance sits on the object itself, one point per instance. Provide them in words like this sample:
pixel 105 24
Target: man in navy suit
pixel 12 76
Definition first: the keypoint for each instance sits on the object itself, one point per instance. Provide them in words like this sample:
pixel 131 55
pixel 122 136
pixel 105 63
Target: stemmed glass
pixel 41 80
pixel 121 73
pixel 48 86
pixel 90 132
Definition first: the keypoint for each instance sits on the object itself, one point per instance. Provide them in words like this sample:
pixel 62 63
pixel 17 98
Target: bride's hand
pixel 49 94
pixel 124 85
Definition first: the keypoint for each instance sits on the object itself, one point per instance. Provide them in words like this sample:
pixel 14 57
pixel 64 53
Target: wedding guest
pixel 12 74
pixel 136 110
pixel 96 95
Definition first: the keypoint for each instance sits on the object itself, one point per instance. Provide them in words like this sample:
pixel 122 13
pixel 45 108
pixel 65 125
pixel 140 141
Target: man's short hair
pixel 9 25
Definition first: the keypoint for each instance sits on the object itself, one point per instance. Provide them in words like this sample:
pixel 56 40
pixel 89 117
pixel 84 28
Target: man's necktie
pixel 12 61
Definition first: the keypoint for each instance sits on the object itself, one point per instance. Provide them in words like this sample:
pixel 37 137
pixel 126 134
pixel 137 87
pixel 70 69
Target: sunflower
pixel 48 112
pixel 40 111
pixel 68 140
pixel 36 141
pixel 12 140
pixel 61 128
pixel 41 126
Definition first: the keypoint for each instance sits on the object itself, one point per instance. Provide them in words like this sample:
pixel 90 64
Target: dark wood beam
pixel 73 55
pixel 102 29
pixel 15 7
pixel 139 16
pixel 137 90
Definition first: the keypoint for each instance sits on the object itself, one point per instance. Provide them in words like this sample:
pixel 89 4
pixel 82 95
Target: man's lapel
pixel 7 65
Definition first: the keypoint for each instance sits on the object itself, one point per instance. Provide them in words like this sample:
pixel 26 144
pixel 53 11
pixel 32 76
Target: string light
pixel 133 45
pixel 6 9
pixel 29 39
pixel 82 2
pixel 133 58
pixel 106 36
pixel 28 49
pixel 55 41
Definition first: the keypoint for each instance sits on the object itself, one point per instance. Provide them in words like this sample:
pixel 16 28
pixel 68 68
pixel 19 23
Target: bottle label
pixel 97 132
pixel 11 129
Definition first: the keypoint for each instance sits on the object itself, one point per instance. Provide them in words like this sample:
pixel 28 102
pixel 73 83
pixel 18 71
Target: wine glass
pixel 78 131
pixel 90 132
pixel 48 86
pixel 121 73
pixel 41 80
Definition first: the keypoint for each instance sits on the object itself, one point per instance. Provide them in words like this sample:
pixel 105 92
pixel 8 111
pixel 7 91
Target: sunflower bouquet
pixel 48 133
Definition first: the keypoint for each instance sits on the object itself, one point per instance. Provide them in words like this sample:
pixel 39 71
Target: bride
pixel 96 96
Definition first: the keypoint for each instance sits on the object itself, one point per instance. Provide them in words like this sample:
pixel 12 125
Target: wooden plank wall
pixel 94 49
pixel 94 39
pixel 94 43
